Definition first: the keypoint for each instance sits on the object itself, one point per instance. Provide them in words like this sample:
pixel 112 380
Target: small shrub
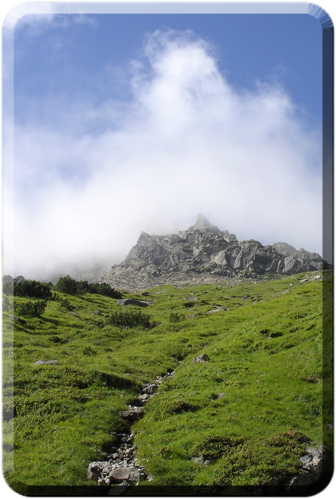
pixel 256 463
pixel 214 447
pixel 174 317
pixel 104 289
pixel 89 351
pixel 312 378
pixel 33 289
pixel 276 334
pixel 129 319
pixel 64 303
pixel 57 339
pixel 171 405
pixel 67 285
pixel 70 286
pixel 33 308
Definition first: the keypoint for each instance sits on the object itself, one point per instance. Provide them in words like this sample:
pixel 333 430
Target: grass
pixel 267 355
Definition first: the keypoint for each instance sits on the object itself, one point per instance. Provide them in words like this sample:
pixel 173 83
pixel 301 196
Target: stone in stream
pixel 150 388
pixel 94 470
pixel 144 397
pixel 130 474
pixel 133 414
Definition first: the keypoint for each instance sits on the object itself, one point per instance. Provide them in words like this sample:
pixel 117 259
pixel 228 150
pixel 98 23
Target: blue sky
pixel 138 122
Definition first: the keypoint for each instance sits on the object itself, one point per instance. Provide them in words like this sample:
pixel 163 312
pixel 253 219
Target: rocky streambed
pixel 121 467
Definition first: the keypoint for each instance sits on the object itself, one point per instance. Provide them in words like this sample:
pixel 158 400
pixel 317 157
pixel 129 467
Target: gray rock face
pixel 204 254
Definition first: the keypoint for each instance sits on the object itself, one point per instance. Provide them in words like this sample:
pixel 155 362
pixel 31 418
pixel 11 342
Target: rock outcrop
pixel 204 253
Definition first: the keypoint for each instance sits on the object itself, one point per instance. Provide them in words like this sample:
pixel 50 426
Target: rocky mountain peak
pixel 203 225
pixel 204 253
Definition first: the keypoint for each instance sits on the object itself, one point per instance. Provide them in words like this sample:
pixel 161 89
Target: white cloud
pixel 38 23
pixel 187 143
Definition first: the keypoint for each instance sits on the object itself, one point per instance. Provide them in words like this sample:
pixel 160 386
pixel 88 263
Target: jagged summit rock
pixel 204 253
pixel 204 225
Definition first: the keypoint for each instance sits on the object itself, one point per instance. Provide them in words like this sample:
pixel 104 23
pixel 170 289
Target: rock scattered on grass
pixel 313 463
pixel 41 362
pixel 138 303
pixel 201 358
pixel 218 309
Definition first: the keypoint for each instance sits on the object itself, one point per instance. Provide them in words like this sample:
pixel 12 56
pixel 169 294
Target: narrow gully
pixel 121 467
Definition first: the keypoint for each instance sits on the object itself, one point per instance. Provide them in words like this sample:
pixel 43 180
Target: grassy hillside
pixel 266 357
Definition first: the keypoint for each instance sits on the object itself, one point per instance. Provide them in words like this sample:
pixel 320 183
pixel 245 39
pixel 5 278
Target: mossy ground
pixel 266 354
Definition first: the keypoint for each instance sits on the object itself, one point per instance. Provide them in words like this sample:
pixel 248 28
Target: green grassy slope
pixel 266 356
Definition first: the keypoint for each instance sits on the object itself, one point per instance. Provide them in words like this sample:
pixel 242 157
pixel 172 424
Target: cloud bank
pixel 187 142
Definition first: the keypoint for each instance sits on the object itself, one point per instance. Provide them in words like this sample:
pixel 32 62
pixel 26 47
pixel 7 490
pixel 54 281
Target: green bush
pixel 67 285
pixel 105 290
pixel 89 351
pixel 33 308
pixel 33 289
pixel 64 303
pixel 256 464
pixel 174 317
pixel 72 287
pixel 129 319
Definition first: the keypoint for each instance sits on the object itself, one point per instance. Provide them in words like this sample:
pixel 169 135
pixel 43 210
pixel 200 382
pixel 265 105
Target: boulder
pixel 96 312
pixel 201 358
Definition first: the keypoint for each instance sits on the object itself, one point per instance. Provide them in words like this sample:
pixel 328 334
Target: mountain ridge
pixel 205 254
